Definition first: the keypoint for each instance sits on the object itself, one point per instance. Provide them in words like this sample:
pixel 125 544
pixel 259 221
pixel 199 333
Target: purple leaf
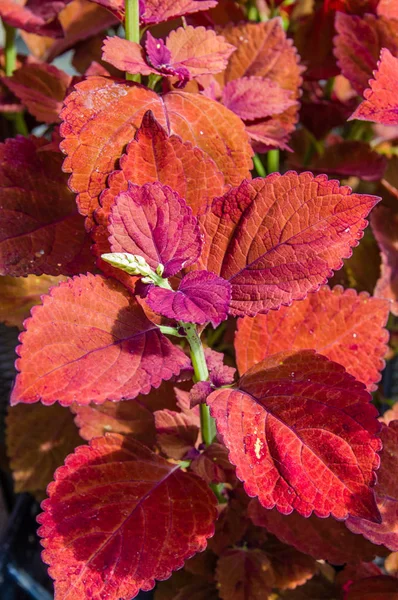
pixel 157 52
pixel 155 223
pixel 201 297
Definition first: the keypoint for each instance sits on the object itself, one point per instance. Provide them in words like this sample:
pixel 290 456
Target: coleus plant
pixel 182 326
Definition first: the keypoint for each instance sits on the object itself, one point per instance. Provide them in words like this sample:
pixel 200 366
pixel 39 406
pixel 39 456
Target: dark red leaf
pixel 102 347
pixel 303 435
pixel 154 222
pixel 381 103
pixel 177 433
pixel 102 115
pixel 244 575
pixel 213 465
pixel 344 326
pixel 358 44
pixel 139 516
pixel 41 88
pixel 384 222
pixel 34 16
pixel 374 588
pixel 324 539
pixel 40 231
pixel 201 297
pixel 278 238
pixel 386 532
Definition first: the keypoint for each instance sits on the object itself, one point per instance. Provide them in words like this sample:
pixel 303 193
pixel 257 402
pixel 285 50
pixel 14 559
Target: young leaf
pixel 264 51
pixel 244 575
pixel 358 43
pixel 201 297
pixel 129 418
pixel 38 16
pixel 278 238
pixel 177 433
pixel 381 103
pixel 386 532
pixel 40 231
pixel 186 54
pixel 38 440
pixel 139 516
pixel 324 539
pixel 303 436
pixel 41 88
pixel 213 465
pixel 344 326
pixel 154 222
pixel 102 347
pixel 96 132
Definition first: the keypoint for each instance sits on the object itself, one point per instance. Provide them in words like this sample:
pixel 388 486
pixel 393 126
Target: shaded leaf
pixel 41 231
pixel 129 418
pixel 231 526
pixel 374 588
pixel 358 44
pixel 41 88
pixel 161 512
pixel 256 98
pixel 201 297
pixel 290 567
pixel 384 223
pixel 381 104
pixel 324 539
pixel 244 575
pixel 154 222
pixel 177 433
pixel 344 326
pixel 38 440
pixel 386 532
pixel 34 16
pixel 219 374
pixel 278 238
pixel 20 294
pixel 213 465
pixel 102 347
pixel 264 51
pixel 302 434
pixel 102 115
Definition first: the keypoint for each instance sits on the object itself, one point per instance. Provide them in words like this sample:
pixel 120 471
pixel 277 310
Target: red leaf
pixel 101 116
pixel 386 532
pixel 264 51
pixel 200 298
pixel 154 156
pixel 36 16
pixel 102 347
pixel 358 44
pixel 344 326
pixel 381 104
pixel 384 223
pixel 302 434
pixel 157 224
pixel 324 539
pixel 374 588
pixel 244 575
pixel 157 11
pixel 278 238
pixel 139 516
pixel 213 465
pixel 256 98
pixel 41 88
pixel 129 417
pixel 177 433
pixel 38 440
pixel 41 231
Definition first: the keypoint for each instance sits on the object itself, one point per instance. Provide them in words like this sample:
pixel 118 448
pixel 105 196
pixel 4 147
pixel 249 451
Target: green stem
pixel 132 28
pixel 329 88
pixel 201 372
pixel 273 161
pixel 169 330
pixel 258 165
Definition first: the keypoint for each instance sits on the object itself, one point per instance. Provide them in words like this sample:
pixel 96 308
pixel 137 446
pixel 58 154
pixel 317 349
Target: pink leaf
pixel 303 436
pixel 157 224
pixel 381 99
pixel 256 98
pixel 102 347
pixel 118 517
pixel 34 16
pixel 202 297
pixel 278 238
pixel 126 56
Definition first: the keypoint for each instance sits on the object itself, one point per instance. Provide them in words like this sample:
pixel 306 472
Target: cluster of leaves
pixel 192 398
